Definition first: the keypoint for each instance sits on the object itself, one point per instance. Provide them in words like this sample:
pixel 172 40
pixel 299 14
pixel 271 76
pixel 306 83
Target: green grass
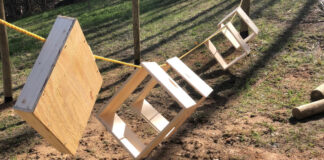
pixel 284 66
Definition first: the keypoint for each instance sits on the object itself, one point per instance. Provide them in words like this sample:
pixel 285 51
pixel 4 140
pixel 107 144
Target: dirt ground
pixel 248 115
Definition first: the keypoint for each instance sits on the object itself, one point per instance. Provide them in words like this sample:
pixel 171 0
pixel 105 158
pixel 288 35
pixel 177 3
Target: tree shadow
pixel 172 37
pixel 274 48
pixel 10 145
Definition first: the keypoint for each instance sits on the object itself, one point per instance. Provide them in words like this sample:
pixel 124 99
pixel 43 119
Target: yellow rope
pixel 116 61
pixel 210 37
pixel 22 30
pixel 108 59
pixel 43 40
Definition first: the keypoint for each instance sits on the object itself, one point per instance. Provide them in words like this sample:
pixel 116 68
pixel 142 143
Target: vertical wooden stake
pixel 4 49
pixel 136 33
pixel 244 27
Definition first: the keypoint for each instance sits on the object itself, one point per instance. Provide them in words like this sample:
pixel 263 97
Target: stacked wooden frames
pixel 120 129
pixel 62 87
pixel 234 37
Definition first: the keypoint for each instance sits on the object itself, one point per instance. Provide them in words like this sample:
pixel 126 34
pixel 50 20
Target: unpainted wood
pixel 32 120
pixel 151 115
pixel 318 93
pixel 123 133
pixel 129 86
pixel 136 31
pixel 5 58
pixel 238 37
pixel 244 29
pixel 68 96
pixel 247 20
pixel 192 78
pixel 308 110
pixel 169 84
pixel 211 47
pixel 165 128
pixel 230 37
pixel 44 65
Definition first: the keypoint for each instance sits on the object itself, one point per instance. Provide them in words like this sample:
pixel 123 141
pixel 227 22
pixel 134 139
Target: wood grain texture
pixel 69 91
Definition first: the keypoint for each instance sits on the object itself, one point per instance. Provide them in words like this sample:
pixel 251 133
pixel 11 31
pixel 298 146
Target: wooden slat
pixel 123 133
pixel 226 18
pixel 217 55
pixel 70 91
pixel 151 115
pixel 165 133
pixel 238 37
pixel 124 92
pixel 191 77
pixel 247 20
pixel 169 84
pixel 230 37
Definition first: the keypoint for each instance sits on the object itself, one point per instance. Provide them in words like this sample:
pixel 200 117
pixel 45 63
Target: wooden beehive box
pixel 62 87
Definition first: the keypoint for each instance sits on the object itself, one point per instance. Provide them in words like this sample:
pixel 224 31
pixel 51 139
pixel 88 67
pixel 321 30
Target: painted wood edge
pixel 17 106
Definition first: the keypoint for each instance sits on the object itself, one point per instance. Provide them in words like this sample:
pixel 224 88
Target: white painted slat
pixel 151 115
pixel 247 20
pixel 230 37
pixel 237 36
pixel 169 84
pixel 124 134
pixel 211 47
pixel 192 78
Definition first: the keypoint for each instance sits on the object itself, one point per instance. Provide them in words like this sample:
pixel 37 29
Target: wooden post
pixel 318 93
pixel 307 110
pixel 4 49
pixel 136 33
pixel 244 27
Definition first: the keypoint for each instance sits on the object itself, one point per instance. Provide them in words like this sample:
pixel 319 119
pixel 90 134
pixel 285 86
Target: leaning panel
pixel 62 87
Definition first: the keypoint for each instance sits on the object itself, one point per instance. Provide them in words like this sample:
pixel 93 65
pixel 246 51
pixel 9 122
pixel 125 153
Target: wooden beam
pixel 318 93
pixel 307 110
pixel 136 33
pixel 4 49
pixel 244 31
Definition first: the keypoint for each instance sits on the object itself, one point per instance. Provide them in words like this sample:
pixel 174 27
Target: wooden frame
pixel 62 87
pixel 119 128
pixel 234 37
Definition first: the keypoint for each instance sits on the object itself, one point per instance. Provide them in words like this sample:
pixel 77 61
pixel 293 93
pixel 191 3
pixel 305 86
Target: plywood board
pixel 62 88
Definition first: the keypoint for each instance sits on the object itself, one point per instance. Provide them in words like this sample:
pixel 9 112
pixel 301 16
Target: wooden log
pixel 136 33
pixel 308 109
pixel 244 31
pixel 4 49
pixel 318 93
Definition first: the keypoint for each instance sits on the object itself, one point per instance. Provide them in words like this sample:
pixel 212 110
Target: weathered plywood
pixel 61 90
